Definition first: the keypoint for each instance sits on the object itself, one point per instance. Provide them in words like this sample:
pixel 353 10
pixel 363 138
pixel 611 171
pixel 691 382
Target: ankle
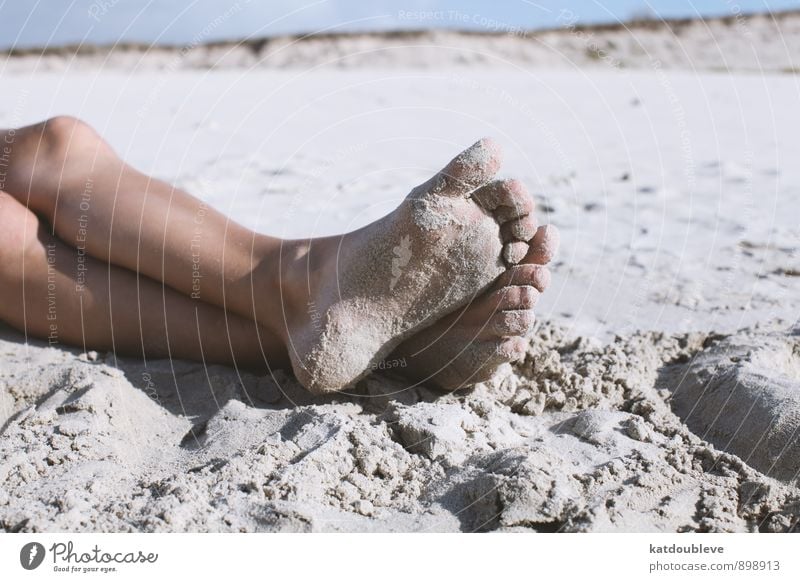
pixel 282 292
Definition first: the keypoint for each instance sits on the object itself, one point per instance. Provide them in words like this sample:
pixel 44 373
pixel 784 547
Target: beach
pixel 661 389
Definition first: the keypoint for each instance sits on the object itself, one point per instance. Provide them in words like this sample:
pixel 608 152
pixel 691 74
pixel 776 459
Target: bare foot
pixel 369 290
pixel 468 346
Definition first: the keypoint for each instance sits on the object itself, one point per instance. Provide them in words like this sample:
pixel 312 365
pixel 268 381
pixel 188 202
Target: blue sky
pixel 25 23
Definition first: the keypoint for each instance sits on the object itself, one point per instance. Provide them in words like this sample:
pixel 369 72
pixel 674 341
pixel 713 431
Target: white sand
pixel 675 192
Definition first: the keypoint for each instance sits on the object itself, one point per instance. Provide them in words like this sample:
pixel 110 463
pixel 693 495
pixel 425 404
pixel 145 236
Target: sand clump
pixel 742 393
pixel 578 437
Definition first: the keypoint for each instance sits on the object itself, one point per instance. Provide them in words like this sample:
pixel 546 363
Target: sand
pixel 738 42
pixel 660 390
pixel 579 437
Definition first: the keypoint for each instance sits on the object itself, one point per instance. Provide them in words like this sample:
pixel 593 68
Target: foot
pixel 368 291
pixel 468 346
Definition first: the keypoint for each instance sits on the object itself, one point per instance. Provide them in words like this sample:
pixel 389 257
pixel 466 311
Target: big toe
pixel 470 169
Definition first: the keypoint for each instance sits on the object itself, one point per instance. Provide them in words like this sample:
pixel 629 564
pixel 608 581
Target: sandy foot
pixel 372 288
pixel 470 345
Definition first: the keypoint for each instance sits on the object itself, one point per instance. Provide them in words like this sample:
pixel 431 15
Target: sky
pixel 39 23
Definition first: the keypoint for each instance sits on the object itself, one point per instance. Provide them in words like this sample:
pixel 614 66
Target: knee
pixel 59 152
pixel 19 231
pixel 64 136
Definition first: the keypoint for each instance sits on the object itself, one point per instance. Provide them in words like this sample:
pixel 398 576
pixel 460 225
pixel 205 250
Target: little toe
pixel 470 169
pixel 543 245
pixel 537 276
pixel 506 199
pixel 513 349
pixel 486 360
pixel 521 229
pixel 513 323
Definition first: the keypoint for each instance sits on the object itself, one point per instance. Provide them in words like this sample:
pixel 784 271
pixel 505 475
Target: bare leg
pixel 111 308
pixel 68 174
pixel 62 170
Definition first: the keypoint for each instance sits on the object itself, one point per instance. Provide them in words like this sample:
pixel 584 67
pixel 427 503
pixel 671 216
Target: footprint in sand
pixel 742 394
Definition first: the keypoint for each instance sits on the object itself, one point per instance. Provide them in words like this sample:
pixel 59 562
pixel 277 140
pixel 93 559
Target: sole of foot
pixel 373 288
pixel 470 345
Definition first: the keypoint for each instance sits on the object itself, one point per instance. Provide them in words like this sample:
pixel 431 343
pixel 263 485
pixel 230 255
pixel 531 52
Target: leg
pixel 48 295
pixel 65 172
pixel 339 304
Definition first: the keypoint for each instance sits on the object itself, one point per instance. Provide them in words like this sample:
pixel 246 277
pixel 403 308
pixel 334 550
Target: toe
pixel 514 252
pixel 521 229
pixel 513 323
pixel 537 276
pixel 543 245
pixel 516 297
pixel 470 169
pixel 506 199
pixel 513 349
